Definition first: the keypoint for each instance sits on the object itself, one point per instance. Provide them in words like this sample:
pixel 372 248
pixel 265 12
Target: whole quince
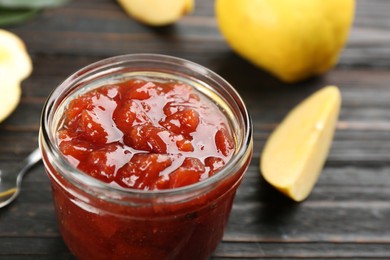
pixel 292 39
pixel 157 12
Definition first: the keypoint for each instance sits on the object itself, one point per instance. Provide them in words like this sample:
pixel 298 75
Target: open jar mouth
pixel 151 65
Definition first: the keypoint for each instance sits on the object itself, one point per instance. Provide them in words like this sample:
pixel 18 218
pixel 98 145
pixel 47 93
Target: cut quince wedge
pixel 14 60
pixel 15 66
pixel 157 12
pixel 295 153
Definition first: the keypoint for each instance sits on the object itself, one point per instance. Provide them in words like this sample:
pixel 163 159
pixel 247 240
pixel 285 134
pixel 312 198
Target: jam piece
pixel 92 128
pixel 188 173
pixel 115 92
pixel 128 114
pixel 184 145
pixel 214 164
pixel 224 141
pixel 141 90
pixel 76 150
pixel 182 122
pixel 104 163
pixel 77 106
pixel 91 116
pixel 144 134
pixel 142 170
pixel 147 138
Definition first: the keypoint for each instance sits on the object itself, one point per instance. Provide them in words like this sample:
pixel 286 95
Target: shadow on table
pixel 278 207
pixel 249 79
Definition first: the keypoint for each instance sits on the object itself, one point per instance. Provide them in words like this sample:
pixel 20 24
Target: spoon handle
pixel 28 162
pixel 9 189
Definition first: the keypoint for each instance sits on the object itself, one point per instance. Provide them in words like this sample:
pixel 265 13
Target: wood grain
pixel 345 217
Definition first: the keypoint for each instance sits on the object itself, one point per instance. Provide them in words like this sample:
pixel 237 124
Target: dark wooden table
pixel 348 213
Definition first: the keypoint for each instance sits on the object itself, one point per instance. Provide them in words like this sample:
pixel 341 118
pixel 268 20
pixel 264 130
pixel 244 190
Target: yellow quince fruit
pixel 295 153
pixel 157 12
pixel 15 66
pixel 291 39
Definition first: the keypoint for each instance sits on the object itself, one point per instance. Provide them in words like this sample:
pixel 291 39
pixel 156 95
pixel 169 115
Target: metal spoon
pixel 10 182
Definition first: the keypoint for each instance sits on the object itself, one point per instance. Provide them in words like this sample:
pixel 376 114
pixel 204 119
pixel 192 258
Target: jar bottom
pixel 90 234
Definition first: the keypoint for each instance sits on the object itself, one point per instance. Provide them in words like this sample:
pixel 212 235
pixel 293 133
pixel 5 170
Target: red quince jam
pixel 147 135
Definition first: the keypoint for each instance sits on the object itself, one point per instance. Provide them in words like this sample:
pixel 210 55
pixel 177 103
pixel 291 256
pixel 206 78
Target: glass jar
pixel 101 221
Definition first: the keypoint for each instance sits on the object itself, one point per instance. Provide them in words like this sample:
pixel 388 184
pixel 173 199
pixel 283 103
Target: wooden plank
pixel 313 250
pixel 39 248
pixel 42 249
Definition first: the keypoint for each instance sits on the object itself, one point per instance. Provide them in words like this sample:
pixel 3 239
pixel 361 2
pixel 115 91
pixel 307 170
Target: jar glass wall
pixel 101 221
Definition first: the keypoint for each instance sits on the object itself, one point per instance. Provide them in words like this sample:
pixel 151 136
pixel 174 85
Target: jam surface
pixel 145 134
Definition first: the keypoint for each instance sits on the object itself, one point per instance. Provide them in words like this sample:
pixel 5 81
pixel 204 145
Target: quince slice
pixel 15 66
pixel 15 62
pixel 157 12
pixel 295 153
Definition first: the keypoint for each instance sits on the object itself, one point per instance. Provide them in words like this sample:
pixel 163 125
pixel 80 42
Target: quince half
pixel 15 66
pixel 291 39
pixel 295 153
pixel 157 12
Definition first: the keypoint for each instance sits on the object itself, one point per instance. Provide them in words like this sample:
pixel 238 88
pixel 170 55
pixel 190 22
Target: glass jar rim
pixel 47 140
